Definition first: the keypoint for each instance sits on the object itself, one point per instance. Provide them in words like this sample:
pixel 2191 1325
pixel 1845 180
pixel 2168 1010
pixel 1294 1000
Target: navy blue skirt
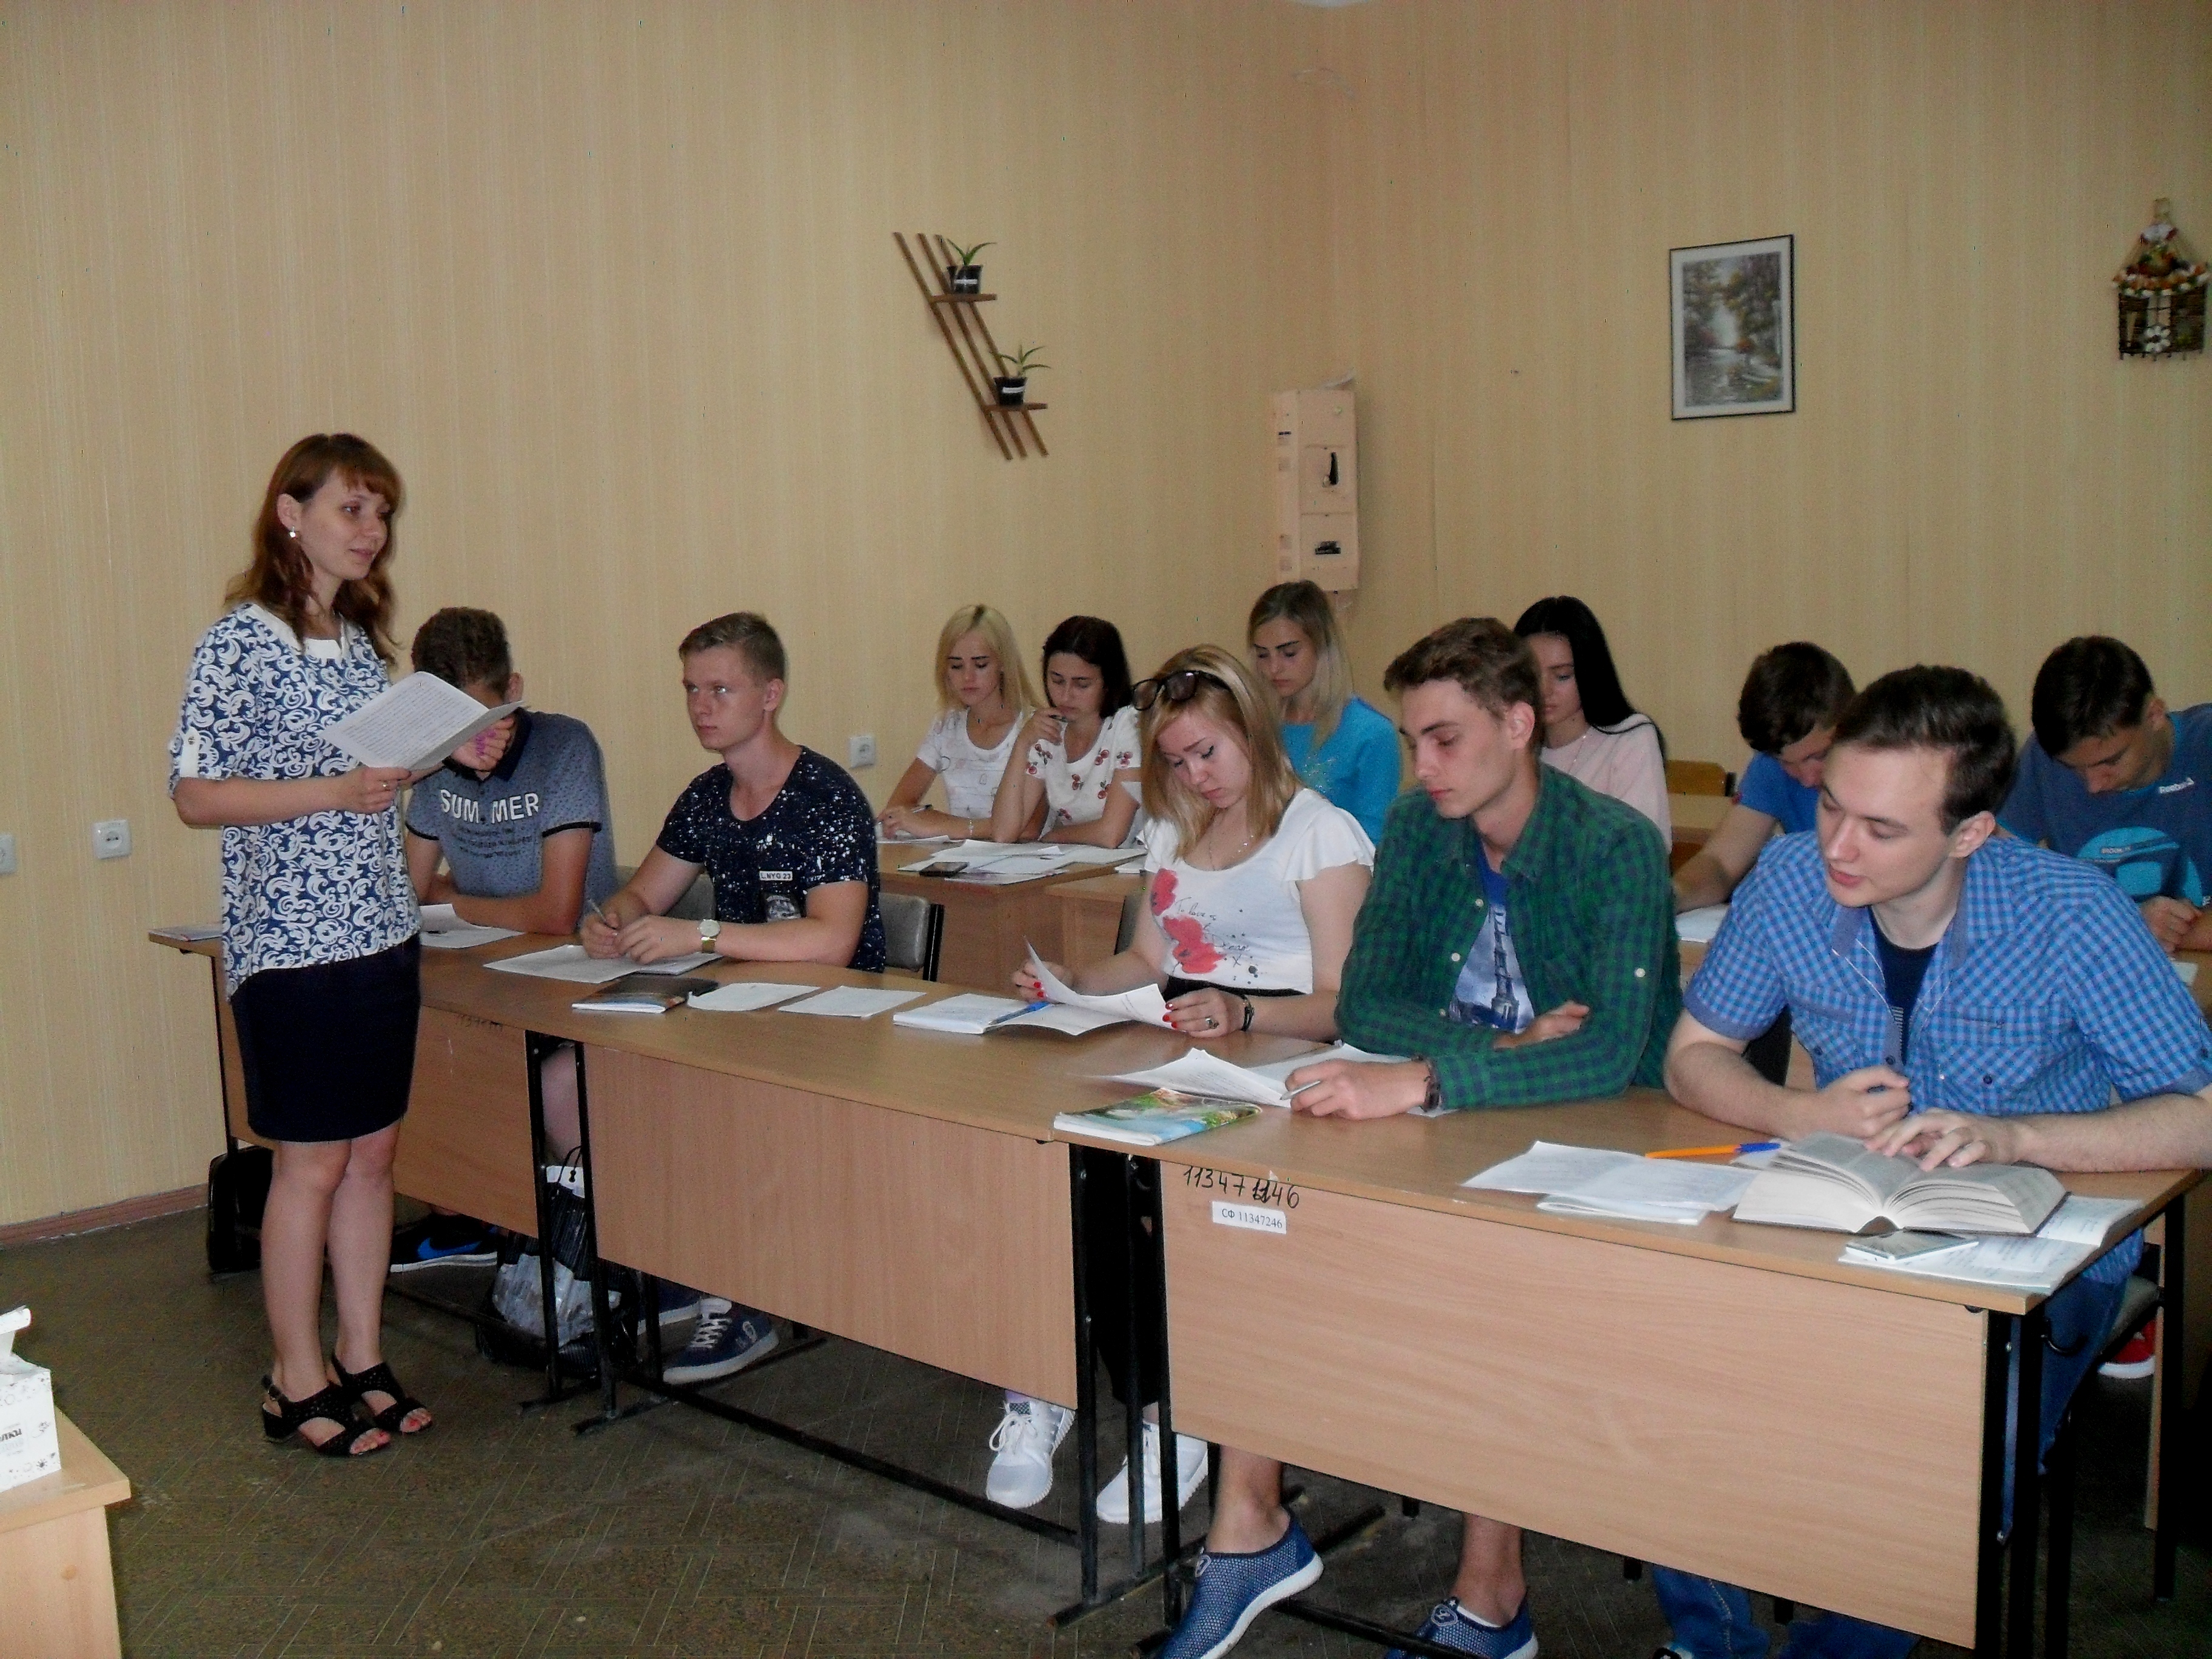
pixel 328 1052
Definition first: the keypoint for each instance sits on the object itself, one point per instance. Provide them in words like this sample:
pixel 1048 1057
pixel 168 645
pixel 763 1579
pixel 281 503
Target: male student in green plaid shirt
pixel 1519 938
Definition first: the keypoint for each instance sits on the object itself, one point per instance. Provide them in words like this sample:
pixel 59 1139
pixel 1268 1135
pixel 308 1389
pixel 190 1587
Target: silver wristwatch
pixel 709 930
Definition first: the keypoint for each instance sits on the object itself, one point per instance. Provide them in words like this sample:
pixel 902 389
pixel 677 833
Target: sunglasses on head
pixel 1178 687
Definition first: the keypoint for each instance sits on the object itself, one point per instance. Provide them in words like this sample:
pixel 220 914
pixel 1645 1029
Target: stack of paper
pixel 569 963
pixel 444 930
pixel 1587 1181
pixel 743 996
pixel 1000 864
pixel 969 1015
pixel 1199 1072
pixel 1144 1004
pixel 2041 1263
pixel 851 1002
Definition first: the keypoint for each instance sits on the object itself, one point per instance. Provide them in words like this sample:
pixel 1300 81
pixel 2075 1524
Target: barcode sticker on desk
pixel 1250 1216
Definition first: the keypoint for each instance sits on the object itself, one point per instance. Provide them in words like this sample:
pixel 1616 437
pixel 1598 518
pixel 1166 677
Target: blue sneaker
pixel 727 1338
pixel 676 1303
pixel 442 1240
pixel 1230 1591
pixel 1451 1626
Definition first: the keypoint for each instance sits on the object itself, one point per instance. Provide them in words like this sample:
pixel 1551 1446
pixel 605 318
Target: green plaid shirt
pixel 1593 914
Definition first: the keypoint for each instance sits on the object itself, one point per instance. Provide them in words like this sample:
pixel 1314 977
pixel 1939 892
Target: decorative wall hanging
pixel 957 301
pixel 1734 328
pixel 2161 291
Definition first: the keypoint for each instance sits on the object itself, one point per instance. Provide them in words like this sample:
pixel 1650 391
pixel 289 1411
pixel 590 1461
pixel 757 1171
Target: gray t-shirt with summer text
pixel 493 829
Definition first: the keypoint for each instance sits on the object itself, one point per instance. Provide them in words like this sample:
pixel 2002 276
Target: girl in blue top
pixel 1336 744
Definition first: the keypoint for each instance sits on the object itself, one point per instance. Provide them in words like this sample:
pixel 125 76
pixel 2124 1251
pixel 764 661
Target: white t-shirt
pixel 1242 926
pixel 1624 764
pixel 971 774
pixel 1075 791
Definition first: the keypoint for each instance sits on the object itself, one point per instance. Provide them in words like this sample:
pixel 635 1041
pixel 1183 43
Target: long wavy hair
pixel 1308 608
pixel 280 579
pixel 1233 699
pixel 998 634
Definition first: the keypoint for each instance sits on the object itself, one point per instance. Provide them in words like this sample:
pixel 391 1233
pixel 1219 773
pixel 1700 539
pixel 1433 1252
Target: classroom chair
pixel 1689 777
pixel 914 933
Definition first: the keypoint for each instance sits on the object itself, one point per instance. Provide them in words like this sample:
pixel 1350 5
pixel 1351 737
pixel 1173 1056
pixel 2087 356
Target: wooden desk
pixel 1694 818
pixel 1090 916
pixel 57 1583
pixel 1722 1398
pixel 985 927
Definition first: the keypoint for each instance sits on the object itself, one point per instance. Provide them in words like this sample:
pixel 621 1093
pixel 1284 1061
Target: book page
pixel 743 996
pixel 1195 1071
pixel 1144 1004
pixel 1547 1167
pixel 970 1014
pixel 414 724
pixel 851 1002
pixel 2079 1221
pixel 1990 1198
pixel 2031 1264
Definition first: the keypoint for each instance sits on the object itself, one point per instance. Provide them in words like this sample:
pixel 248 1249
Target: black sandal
pixel 379 1379
pixel 331 1404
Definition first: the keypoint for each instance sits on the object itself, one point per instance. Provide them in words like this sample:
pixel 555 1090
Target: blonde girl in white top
pixel 983 695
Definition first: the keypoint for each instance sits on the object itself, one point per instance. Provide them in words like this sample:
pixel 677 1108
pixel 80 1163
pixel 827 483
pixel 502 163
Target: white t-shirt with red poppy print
pixel 1243 927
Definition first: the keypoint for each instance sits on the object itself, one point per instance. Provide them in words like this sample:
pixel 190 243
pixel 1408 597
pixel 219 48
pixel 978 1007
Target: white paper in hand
pixel 1144 1004
pixel 413 725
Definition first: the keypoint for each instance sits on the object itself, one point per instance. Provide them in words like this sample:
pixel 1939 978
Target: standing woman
pixel 1592 733
pixel 1079 780
pixel 982 694
pixel 1336 744
pixel 319 952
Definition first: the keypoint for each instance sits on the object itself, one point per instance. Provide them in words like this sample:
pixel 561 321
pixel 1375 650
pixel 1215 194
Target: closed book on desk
pixel 1153 1118
pixel 1833 1181
pixel 640 993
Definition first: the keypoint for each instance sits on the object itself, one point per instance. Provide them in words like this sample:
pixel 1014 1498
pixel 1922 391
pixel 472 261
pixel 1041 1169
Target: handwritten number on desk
pixel 1257 1188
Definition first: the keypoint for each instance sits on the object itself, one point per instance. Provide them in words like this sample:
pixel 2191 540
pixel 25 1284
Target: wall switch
pixel 7 855
pixel 111 838
pixel 859 751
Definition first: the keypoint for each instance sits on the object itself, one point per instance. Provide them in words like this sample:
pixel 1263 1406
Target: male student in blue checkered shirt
pixel 1965 998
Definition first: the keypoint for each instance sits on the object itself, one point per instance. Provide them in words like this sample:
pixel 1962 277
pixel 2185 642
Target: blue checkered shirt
pixel 2047 993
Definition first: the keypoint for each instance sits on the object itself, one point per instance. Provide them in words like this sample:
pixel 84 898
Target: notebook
pixel 641 994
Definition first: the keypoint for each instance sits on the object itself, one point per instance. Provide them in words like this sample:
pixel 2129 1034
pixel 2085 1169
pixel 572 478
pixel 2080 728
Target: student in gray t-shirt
pixel 512 831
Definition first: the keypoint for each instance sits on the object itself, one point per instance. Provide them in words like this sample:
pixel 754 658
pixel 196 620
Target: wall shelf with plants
pixel 997 380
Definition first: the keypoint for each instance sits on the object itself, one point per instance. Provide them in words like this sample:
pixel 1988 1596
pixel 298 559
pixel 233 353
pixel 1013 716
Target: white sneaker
pixel 1190 1473
pixel 1025 1439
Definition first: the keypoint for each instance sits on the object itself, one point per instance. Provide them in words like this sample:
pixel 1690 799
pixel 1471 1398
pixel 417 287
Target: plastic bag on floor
pixel 517 1294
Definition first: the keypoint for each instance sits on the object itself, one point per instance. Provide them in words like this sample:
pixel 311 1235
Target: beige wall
pixel 1971 476
pixel 615 287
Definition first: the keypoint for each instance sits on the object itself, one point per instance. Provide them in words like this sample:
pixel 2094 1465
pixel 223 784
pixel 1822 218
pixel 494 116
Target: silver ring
pixel 1211 1022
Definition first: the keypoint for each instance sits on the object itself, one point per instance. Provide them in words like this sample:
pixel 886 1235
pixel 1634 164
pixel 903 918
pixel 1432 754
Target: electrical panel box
pixel 1317 488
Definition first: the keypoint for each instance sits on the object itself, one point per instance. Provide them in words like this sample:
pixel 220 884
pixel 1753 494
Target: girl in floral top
pixel 1078 777
pixel 320 953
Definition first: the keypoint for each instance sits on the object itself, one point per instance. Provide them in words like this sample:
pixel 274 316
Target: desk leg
pixel 1086 1386
pixel 2027 1486
pixel 2000 1333
pixel 1154 1242
pixel 603 1333
pixel 1133 1412
pixel 2172 1394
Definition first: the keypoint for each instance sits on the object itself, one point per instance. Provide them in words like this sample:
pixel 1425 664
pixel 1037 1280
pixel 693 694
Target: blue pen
pixel 1736 1151
pixel 1041 1002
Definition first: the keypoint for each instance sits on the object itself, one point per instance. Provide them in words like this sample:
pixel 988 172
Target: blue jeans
pixel 1712 1620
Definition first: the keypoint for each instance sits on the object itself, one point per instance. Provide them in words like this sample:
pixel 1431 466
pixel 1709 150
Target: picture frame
pixel 1733 312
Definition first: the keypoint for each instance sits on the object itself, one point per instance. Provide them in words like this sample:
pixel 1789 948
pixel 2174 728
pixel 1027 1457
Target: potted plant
pixel 965 274
pixel 1013 386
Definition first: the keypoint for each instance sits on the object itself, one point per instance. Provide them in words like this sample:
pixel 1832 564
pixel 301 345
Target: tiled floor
pixel 501 1534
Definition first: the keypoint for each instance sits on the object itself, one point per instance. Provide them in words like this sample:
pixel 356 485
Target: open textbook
pixel 1199 1072
pixel 2040 1262
pixel 1591 1181
pixel 1833 1181
pixel 414 724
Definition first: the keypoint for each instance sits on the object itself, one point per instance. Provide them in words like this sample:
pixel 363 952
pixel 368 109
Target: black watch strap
pixel 1247 1025
pixel 1433 1100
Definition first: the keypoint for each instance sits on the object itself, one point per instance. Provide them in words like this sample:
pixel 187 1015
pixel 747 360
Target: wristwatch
pixel 709 929
pixel 1433 1099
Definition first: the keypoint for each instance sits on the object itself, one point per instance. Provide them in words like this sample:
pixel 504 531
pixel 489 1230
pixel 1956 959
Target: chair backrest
pixel 1132 908
pixel 696 904
pixel 914 933
pixel 1689 777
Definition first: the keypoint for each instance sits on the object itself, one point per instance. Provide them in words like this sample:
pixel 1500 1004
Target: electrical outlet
pixel 859 751
pixel 111 838
pixel 7 855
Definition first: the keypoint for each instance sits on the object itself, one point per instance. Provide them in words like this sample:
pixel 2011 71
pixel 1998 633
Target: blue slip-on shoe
pixel 1451 1626
pixel 726 1339
pixel 442 1240
pixel 1229 1592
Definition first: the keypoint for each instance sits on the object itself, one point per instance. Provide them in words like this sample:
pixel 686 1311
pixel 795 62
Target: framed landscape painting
pixel 1736 328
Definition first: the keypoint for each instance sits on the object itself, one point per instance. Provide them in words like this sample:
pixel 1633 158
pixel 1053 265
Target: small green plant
pixel 1023 362
pixel 966 256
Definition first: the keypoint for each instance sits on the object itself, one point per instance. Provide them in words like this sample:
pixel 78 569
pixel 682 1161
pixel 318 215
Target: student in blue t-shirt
pixel 2113 778
pixel 512 831
pixel 1787 713
pixel 1337 744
